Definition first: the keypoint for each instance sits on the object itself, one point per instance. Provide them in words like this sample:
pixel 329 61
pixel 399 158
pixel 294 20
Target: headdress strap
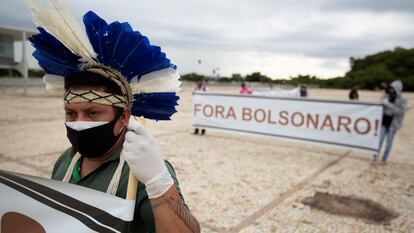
pixel 115 77
pixel 97 97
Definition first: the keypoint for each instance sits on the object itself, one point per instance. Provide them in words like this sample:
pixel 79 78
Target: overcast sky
pixel 277 38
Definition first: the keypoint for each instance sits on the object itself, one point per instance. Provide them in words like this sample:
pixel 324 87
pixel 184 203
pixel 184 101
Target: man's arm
pixel 171 215
pixel 146 162
pixel 394 108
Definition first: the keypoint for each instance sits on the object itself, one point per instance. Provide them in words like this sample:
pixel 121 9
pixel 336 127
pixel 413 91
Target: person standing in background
pixel 200 87
pixel 244 90
pixel 393 114
pixel 353 94
pixel 303 91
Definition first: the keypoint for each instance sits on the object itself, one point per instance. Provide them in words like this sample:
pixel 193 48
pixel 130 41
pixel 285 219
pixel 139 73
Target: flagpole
pixel 132 187
pixel 132 180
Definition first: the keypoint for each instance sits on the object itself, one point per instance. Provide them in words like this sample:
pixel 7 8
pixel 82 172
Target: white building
pixel 8 38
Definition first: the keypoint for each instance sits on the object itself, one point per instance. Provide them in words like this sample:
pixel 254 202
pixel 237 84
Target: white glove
pixel 145 160
pixel 385 101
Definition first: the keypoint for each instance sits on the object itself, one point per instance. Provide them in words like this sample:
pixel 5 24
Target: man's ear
pixel 126 114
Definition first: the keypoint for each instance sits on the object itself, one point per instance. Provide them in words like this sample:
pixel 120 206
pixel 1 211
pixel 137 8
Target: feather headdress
pixel 63 48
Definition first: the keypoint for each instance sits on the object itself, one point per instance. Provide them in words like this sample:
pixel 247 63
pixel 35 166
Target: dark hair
pixel 93 79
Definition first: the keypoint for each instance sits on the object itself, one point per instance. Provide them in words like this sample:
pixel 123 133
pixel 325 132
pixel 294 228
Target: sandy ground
pixel 237 182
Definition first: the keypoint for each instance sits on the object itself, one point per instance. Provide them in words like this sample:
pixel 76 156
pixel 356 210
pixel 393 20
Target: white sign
pixel 341 123
pixel 33 204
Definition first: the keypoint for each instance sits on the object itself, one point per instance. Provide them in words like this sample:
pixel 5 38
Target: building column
pixel 24 68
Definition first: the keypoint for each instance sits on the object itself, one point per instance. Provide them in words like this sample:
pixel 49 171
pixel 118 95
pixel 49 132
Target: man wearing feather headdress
pixel 120 75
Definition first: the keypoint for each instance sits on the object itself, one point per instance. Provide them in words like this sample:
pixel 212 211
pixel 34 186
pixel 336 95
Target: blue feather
pixel 52 55
pixel 131 53
pixel 157 106
pixel 116 30
pixel 53 66
pixel 125 50
pixel 97 31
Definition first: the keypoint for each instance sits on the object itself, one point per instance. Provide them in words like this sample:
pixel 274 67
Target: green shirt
pixel 100 179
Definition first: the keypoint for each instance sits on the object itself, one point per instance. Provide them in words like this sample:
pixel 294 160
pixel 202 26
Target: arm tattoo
pixel 185 215
pixel 178 207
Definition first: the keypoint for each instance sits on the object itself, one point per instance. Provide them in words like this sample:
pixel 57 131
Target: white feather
pixel 54 82
pixel 58 21
pixel 165 80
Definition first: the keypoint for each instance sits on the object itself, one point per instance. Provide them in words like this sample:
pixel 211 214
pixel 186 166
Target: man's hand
pixel 145 160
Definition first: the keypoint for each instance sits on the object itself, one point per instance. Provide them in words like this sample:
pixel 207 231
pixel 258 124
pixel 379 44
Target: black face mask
pixel 93 142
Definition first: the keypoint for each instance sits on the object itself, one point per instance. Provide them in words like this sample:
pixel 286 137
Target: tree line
pixel 365 73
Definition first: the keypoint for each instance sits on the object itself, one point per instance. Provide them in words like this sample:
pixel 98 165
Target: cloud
pixel 321 35
pixel 369 5
pixel 15 14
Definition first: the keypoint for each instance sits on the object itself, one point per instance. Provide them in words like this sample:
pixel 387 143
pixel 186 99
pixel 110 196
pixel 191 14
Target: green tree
pixel 386 66
pixel 192 77
pixel 257 77
pixel 237 78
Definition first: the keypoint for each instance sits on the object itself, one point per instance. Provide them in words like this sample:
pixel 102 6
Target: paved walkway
pixel 235 182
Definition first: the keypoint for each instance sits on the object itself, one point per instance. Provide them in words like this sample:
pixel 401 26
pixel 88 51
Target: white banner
pixel 33 204
pixel 341 123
